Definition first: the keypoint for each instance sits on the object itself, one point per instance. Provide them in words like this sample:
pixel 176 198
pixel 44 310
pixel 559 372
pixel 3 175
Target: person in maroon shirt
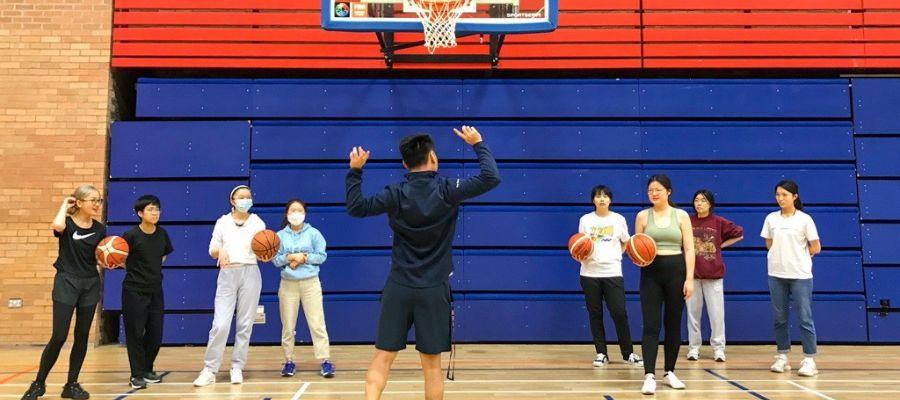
pixel 712 233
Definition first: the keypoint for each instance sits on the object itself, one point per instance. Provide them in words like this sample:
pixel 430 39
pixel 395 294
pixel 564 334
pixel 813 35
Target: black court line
pixel 163 375
pixel 735 384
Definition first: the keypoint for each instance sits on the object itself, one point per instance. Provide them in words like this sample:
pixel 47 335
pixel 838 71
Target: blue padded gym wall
pixel 194 140
pixel 877 137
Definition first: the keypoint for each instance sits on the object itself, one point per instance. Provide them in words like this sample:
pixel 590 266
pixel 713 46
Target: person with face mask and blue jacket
pixel 237 287
pixel 301 253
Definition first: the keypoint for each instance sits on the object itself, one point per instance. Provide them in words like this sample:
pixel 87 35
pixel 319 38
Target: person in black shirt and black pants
pixel 142 293
pixel 422 212
pixel 76 287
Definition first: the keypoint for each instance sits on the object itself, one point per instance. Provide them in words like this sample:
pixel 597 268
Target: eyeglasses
pixel 97 201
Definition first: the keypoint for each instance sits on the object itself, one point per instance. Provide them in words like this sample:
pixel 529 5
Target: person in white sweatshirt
pixel 238 285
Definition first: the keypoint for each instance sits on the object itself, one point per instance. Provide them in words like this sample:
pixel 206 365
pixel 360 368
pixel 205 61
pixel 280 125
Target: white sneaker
pixel 206 377
pixel 673 381
pixel 693 354
pixel 237 377
pixel 635 360
pixel 719 355
pixel 808 367
pixel 649 386
pixel 601 360
pixel 781 364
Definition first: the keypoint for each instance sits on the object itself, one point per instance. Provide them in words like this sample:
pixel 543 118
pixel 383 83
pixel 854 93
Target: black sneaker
pixel 152 377
pixel 74 391
pixel 37 389
pixel 138 383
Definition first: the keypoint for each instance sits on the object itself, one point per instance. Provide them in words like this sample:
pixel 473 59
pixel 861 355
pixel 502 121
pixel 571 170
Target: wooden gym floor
pixel 482 372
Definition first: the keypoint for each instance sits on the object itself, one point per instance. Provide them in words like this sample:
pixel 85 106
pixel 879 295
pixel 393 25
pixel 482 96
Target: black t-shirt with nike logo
pixel 76 248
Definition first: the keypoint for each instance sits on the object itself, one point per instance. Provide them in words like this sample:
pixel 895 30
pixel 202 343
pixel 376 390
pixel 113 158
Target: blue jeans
pixel 782 291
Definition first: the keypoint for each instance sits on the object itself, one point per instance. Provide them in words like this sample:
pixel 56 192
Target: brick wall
pixel 54 91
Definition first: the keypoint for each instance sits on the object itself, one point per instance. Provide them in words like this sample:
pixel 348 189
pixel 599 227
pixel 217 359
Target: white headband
pixel 236 188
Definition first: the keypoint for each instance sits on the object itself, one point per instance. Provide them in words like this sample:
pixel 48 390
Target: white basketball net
pixel 439 20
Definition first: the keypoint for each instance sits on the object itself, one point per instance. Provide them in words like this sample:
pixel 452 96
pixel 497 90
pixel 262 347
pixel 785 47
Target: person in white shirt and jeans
pixel 793 241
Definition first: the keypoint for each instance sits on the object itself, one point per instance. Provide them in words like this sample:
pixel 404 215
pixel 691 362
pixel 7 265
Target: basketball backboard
pixel 481 16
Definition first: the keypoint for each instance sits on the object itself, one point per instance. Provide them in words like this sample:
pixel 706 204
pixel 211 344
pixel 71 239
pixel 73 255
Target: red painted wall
pixel 592 34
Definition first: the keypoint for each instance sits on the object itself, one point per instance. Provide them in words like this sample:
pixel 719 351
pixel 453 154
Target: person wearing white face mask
pixel 301 253
pixel 237 287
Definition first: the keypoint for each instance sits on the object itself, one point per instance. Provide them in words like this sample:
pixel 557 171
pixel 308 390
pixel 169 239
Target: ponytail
pixel 80 193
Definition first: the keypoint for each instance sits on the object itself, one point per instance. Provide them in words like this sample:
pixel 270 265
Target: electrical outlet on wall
pixel 14 303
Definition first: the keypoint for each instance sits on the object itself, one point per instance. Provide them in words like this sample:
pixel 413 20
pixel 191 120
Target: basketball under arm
pixel 487 179
pixel 359 206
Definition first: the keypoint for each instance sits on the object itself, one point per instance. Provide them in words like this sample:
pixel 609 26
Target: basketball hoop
pixel 439 20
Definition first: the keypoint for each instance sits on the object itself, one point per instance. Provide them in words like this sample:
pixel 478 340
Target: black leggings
pixel 596 290
pixel 662 283
pixel 62 318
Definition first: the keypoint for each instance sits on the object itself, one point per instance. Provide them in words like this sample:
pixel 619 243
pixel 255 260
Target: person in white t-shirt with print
pixel 601 275
pixel 793 241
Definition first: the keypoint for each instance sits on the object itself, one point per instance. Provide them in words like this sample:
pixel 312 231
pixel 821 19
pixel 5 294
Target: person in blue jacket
pixel 301 253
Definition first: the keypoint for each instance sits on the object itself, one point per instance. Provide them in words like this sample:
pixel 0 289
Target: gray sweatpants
pixel 713 292
pixel 236 286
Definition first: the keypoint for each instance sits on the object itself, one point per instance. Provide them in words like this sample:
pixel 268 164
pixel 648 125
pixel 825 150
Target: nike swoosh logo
pixel 76 236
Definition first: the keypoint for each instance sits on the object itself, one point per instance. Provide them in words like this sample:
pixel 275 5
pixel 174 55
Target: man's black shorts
pixel 426 308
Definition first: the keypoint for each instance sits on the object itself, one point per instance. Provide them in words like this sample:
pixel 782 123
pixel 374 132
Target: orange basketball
pixel 580 246
pixel 265 244
pixel 112 251
pixel 641 249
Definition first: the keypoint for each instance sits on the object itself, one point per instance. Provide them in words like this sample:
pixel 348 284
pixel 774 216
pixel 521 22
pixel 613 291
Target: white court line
pixel 808 390
pixel 301 391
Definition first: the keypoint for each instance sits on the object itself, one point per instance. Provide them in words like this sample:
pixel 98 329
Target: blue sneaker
pixel 288 369
pixel 327 369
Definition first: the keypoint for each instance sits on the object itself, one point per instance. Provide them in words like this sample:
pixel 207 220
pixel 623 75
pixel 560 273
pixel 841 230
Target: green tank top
pixel 667 239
